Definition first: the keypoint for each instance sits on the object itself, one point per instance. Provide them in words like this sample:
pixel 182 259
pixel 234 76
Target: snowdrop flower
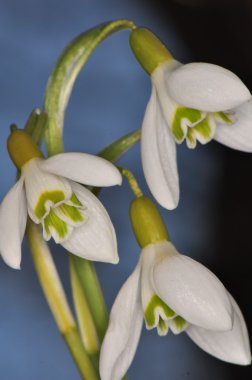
pixel 48 191
pixel 168 290
pixel 192 102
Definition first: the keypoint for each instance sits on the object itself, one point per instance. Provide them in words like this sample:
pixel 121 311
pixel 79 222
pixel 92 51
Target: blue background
pixel 212 222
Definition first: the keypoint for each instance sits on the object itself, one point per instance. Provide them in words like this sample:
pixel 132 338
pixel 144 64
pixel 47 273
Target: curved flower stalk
pixel 192 102
pixel 171 291
pixel 48 191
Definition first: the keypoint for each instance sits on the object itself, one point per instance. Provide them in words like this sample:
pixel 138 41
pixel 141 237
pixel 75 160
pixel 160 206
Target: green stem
pixel 91 287
pixel 55 295
pixel 84 315
pixel 118 148
pixel 132 181
pixel 63 77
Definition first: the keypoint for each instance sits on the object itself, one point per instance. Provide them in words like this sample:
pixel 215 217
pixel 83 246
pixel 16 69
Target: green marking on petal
pixel 191 139
pixel 224 117
pixel 149 313
pixel 179 323
pixel 180 115
pixel 162 327
pixel 74 200
pixel 203 129
pixel 54 196
pixel 53 221
pixel 71 212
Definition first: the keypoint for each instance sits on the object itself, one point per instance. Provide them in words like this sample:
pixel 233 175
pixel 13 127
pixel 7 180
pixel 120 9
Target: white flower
pixel 67 211
pixel 170 290
pixel 193 102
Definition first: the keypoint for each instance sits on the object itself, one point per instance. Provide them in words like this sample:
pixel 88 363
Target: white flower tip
pixel 169 202
pixel 18 267
pixel 114 260
pixel 12 262
pixel 112 174
pixel 230 346
pixel 225 322
pixel 118 178
pixel 245 358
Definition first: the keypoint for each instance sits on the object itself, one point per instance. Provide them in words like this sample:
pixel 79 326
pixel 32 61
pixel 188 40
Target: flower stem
pixel 64 74
pixel 132 181
pixel 84 315
pixel 86 273
pixel 55 295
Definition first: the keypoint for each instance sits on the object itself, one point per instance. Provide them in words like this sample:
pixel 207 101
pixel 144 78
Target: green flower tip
pixel 148 49
pixel 21 147
pixel 147 223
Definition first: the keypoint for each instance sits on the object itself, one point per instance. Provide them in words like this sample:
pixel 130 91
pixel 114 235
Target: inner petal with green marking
pixel 202 132
pixel 178 324
pixel 159 315
pixel 194 125
pixel 55 227
pixel 156 314
pixel 46 200
pixel 62 216
pixel 182 119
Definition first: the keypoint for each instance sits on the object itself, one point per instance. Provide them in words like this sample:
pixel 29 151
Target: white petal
pixel 37 184
pixel 206 87
pixel 231 346
pixel 125 324
pixel 158 150
pixel 13 216
pixel 238 135
pixel 149 255
pixel 95 239
pixel 148 258
pixel 83 168
pixel 192 291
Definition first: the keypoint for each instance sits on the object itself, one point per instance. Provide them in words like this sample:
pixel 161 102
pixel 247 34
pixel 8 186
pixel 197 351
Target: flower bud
pixel 22 148
pixel 147 223
pixel 148 49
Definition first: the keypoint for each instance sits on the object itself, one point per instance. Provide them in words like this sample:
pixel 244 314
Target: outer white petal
pixel 84 168
pixel 206 87
pixel 158 150
pixel 192 291
pixel 125 324
pixel 238 135
pixel 13 216
pixel 95 239
pixel 231 346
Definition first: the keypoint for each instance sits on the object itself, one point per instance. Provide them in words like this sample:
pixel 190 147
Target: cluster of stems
pixel 85 336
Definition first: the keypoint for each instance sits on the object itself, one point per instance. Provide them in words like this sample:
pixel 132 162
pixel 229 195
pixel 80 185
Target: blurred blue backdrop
pixel 107 102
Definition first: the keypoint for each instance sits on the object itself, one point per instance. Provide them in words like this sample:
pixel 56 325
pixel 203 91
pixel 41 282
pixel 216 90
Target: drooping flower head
pixel 170 291
pixel 48 191
pixel 196 102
